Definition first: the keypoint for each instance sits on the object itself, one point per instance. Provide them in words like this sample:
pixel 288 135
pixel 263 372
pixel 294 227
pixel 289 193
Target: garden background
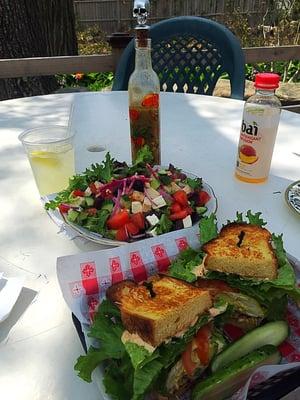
pixel 44 28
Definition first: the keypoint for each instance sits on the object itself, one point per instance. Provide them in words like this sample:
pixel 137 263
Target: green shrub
pixel 90 41
pixel 94 81
pixel 288 70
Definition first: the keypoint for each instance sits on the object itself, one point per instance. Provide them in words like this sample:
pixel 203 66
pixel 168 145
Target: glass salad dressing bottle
pixel 258 131
pixel 143 91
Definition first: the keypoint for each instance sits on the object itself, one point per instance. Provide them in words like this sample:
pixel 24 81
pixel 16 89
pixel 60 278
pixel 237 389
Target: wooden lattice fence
pixel 116 15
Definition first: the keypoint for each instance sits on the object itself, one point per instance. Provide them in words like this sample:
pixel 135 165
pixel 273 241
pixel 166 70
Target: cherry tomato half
pixel 118 220
pixel 139 220
pixel 204 197
pixel 181 197
pixel 122 234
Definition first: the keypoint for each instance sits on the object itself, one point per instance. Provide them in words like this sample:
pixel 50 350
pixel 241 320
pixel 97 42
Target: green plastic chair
pixel 189 54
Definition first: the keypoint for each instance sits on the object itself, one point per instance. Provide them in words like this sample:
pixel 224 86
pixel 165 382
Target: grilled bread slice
pixel 160 308
pixel 242 249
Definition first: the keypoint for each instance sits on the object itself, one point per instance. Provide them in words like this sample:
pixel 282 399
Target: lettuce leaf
pixel 279 249
pixel 85 365
pixel 143 156
pixel 109 331
pixel 144 378
pixel 118 379
pixel 164 225
pixel 101 172
pixel 139 356
pixel 208 228
pixel 146 369
pixel 253 219
pixel 182 267
pixel 195 183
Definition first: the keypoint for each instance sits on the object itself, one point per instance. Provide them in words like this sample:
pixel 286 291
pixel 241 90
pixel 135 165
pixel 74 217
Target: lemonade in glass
pixel 50 152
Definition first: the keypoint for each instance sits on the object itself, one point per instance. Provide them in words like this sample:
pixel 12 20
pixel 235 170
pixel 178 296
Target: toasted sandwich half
pixel 242 249
pixel 160 308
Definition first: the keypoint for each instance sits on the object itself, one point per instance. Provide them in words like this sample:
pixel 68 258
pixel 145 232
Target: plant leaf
pixel 208 228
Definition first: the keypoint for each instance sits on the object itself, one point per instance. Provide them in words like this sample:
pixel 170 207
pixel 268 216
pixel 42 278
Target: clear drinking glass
pixel 50 150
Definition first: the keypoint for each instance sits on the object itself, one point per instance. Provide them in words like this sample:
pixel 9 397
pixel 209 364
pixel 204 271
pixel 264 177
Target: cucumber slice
pixel 108 206
pixel 154 183
pixel 243 303
pixel 227 381
pixel 271 333
pixel 89 201
pixel 201 210
pixel 72 215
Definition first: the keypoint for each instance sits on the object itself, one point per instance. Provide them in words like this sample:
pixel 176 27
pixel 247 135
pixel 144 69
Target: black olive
pixel 138 185
pixel 171 168
pixel 193 196
pixel 120 164
pixel 178 224
pixel 181 176
pixel 195 217
pixel 98 202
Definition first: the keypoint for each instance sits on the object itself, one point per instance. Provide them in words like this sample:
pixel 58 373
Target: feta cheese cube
pixel 136 207
pixel 187 222
pixel 158 202
pixel 152 219
pixel 152 193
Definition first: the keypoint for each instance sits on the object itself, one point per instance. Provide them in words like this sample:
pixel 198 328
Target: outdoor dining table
pixel 198 134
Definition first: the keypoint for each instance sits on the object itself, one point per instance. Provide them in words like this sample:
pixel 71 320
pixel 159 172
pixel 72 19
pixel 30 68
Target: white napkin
pixel 10 289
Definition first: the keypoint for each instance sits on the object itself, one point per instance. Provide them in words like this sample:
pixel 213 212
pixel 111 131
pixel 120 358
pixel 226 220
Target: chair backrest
pixel 189 54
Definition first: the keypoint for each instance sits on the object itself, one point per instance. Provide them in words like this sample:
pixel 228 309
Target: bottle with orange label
pixel 143 91
pixel 258 131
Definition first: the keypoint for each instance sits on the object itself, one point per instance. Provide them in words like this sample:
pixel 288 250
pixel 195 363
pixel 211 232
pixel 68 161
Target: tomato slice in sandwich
pixel 202 341
pixel 188 364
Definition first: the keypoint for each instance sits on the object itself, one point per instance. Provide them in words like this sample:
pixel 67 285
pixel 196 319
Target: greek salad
pixel 131 202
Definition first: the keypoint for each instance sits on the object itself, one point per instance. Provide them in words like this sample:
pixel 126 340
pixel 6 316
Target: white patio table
pixel 199 134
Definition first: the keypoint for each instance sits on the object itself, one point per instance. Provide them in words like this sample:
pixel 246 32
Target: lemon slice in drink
pixel 48 158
